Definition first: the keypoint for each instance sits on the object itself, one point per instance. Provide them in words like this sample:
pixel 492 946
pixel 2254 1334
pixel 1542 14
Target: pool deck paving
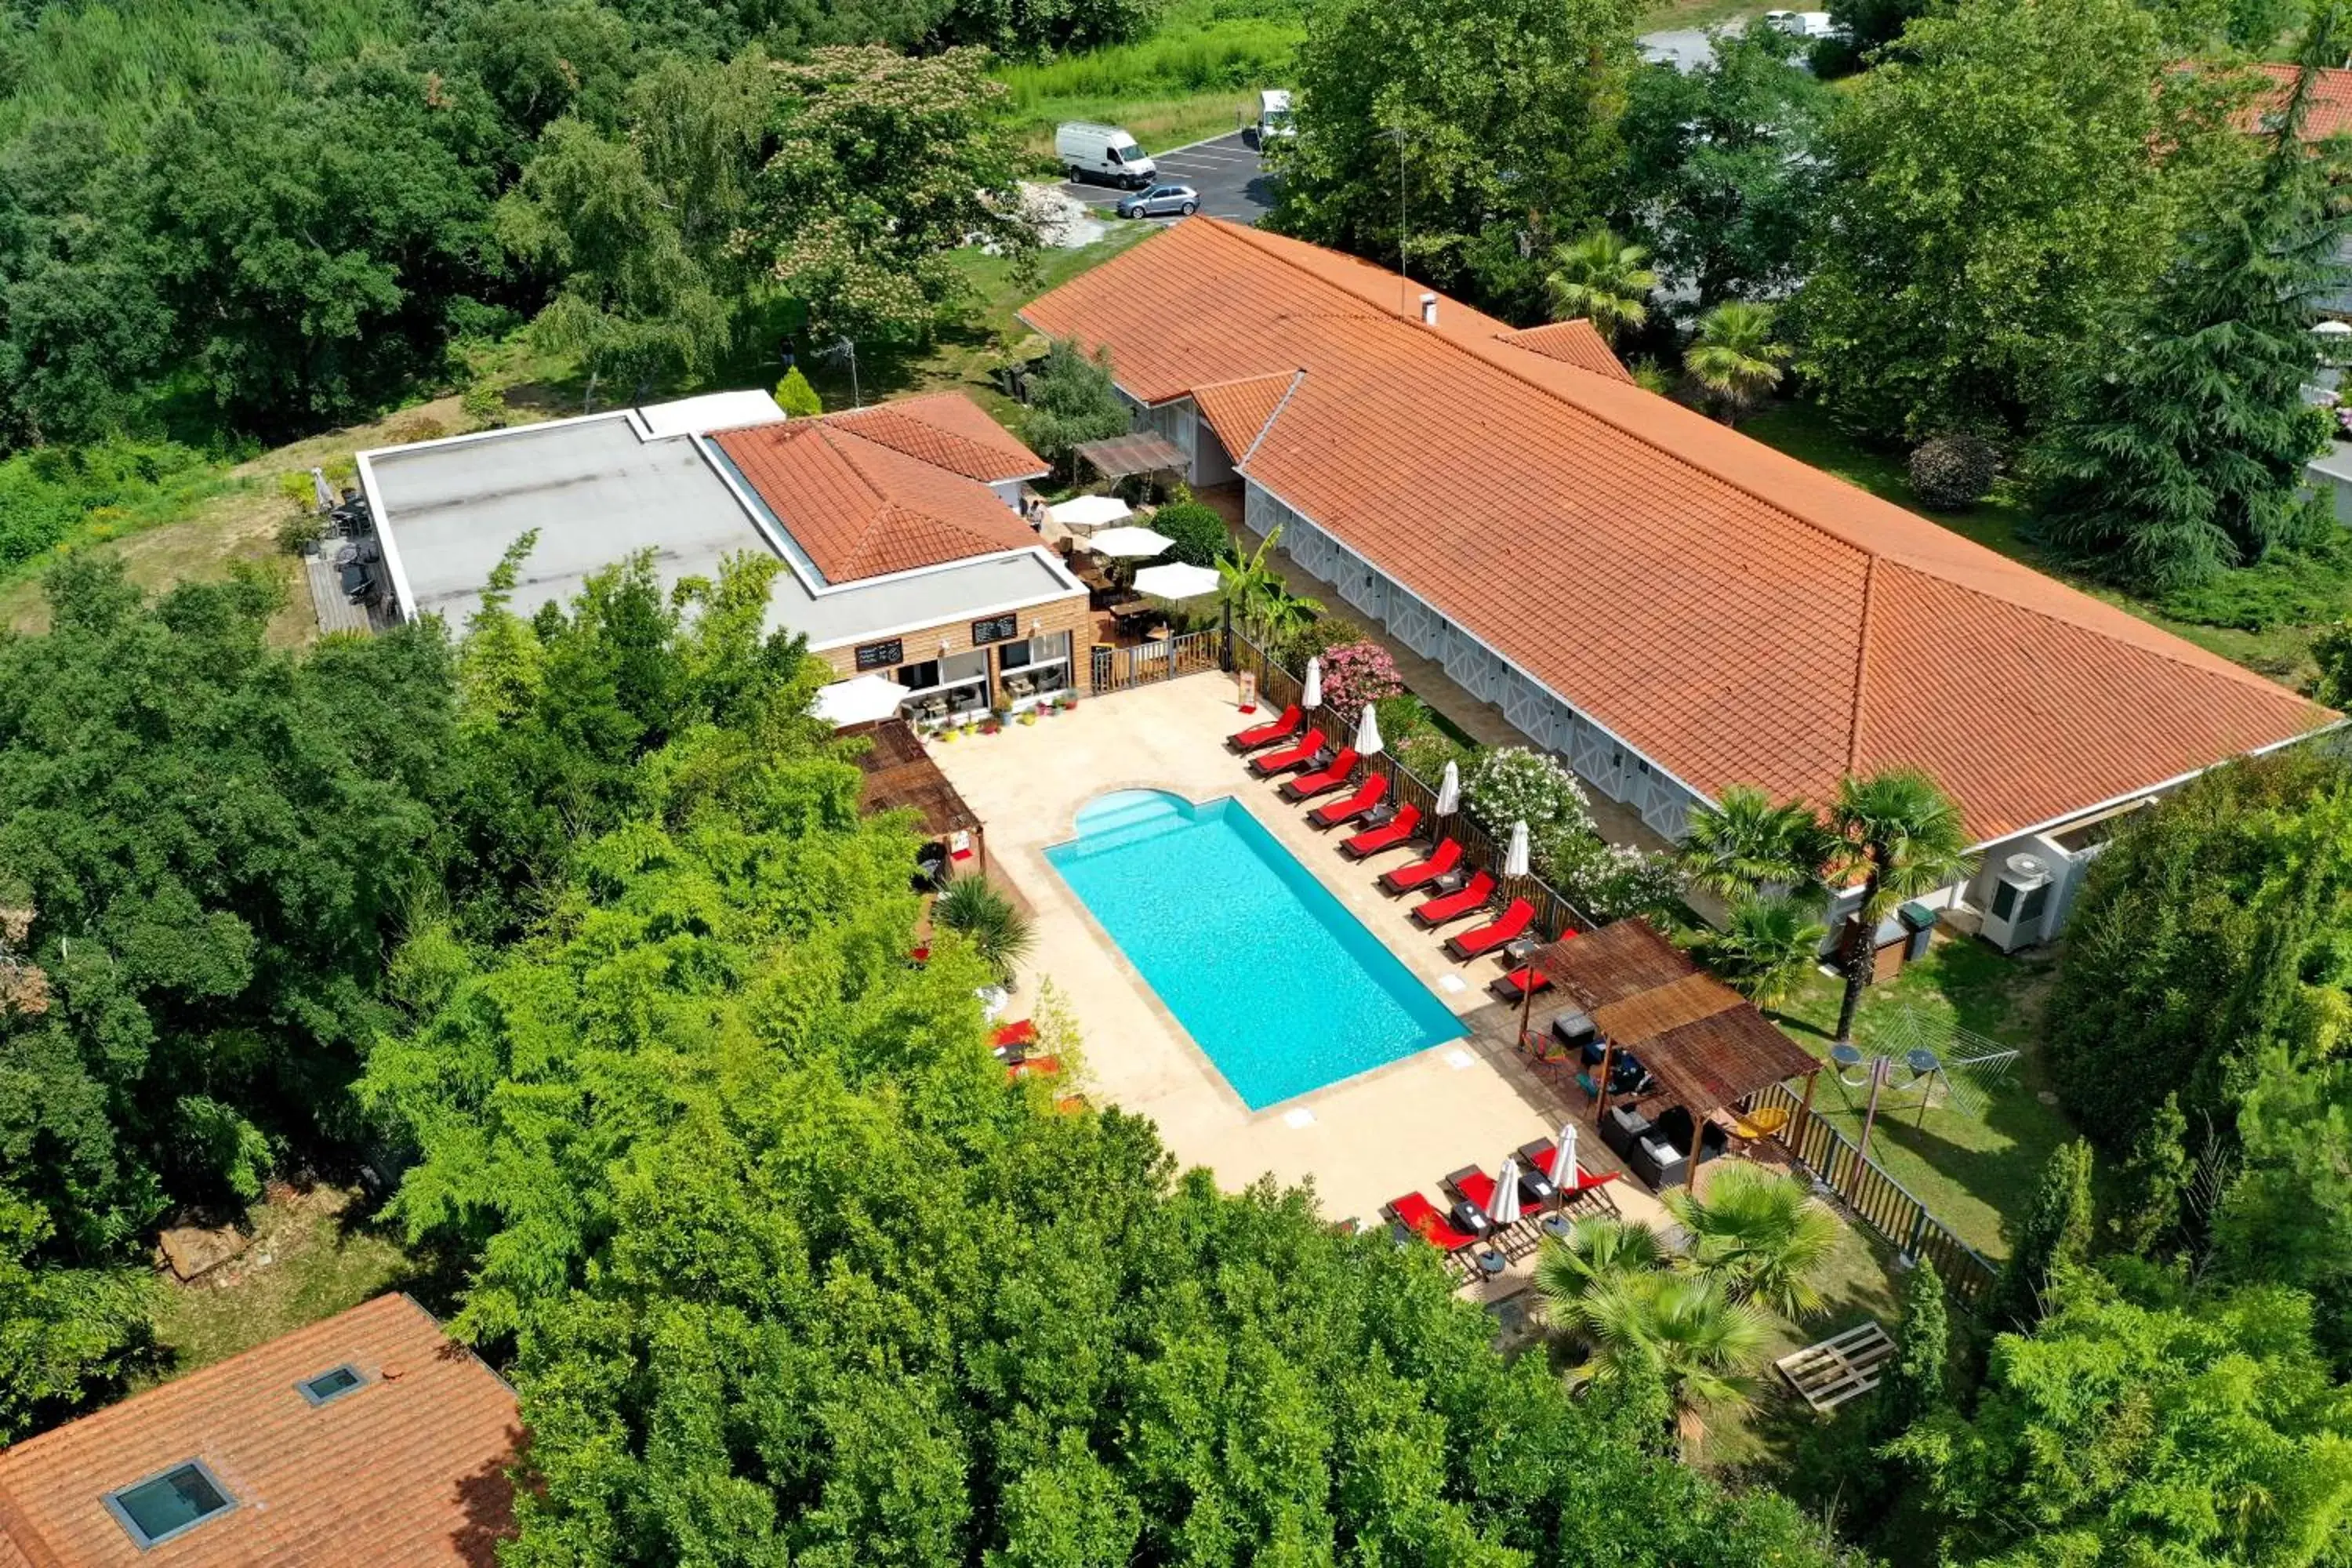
pixel 1361 1143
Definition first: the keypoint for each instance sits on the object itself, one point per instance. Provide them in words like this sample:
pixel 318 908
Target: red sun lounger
pixel 1446 907
pixel 1272 762
pixel 1372 841
pixel 1306 786
pixel 1257 735
pixel 1543 1155
pixel 1368 795
pixel 1473 1186
pixel 1421 1216
pixel 1441 860
pixel 1487 938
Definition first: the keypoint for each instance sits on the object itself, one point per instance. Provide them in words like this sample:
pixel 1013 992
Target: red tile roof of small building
pixel 1735 615
pixel 1237 410
pixel 888 489
pixel 2329 111
pixel 406 1472
pixel 1578 343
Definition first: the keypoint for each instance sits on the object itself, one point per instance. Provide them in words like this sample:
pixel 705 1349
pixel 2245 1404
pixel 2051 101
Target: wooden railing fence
pixel 1877 1199
pixel 1119 668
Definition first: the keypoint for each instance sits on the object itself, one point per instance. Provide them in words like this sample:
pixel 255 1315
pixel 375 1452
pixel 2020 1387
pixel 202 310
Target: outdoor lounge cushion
pixel 1526 980
pixel 1306 786
pixel 1421 1216
pixel 1257 735
pixel 1453 906
pixel 1441 860
pixel 1368 795
pixel 1474 1187
pixel 1397 830
pixel 1542 1156
pixel 1289 757
pixel 1487 938
pixel 1622 1127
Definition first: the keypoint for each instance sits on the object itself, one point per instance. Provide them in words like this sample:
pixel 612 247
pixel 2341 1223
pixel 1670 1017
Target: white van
pixel 1102 152
pixel 1804 23
pixel 1274 116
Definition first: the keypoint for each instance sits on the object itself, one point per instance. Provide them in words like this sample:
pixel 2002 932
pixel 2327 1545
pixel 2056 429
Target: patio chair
pixel 1541 1158
pixel 1446 907
pixel 1398 829
pixel 1261 735
pixel 1659 1164
pixel 1421 1216
pixel 1475 1188
pixel 1368 795
pixel 1306 786
pixel 1439 860
pixel 1518 984
pixel 1513 925
pixel 1268 764
pixel 1623 1128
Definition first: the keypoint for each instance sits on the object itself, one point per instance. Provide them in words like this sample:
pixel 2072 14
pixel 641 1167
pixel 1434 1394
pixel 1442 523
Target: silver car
pixel 1161 201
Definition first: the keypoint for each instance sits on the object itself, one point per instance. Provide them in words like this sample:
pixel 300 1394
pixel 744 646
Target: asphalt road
pixel 1230 179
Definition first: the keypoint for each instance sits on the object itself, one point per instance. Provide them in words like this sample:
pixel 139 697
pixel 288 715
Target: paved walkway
pixel 1426 678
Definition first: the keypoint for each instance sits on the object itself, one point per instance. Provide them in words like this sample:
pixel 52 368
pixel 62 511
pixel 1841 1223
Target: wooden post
pixel 1601 1100
pixel 1804 1114
pixel 1525 972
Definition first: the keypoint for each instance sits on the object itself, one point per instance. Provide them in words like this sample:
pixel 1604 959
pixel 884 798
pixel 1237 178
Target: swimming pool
pixel 1283 988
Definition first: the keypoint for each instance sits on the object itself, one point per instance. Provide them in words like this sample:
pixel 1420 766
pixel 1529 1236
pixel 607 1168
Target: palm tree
pixel 998 933
pixel 1594 1255
pixel 1601 279
pixel 1761 1236
pixel 1735 356
pixel 1680 1328
pixel 1746 844
pixel 1765 949
pixel 1903 836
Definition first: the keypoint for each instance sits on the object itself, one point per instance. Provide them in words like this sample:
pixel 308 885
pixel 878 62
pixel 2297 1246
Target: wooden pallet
pixel 1839 1368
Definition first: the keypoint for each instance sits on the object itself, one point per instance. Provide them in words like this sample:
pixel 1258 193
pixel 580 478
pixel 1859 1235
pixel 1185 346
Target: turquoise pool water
pixel 1283 988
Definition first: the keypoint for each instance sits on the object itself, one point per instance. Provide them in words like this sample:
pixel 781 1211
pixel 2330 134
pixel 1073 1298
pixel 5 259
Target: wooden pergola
pixel 1705 1044
pixel 1137 453
pixel 901 777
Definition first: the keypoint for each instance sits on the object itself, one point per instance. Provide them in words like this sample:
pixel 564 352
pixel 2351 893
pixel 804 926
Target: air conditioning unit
pixel 2020 897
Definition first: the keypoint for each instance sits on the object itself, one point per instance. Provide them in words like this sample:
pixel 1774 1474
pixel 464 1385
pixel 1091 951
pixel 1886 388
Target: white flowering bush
pixel 1511 783
pixel 1612 881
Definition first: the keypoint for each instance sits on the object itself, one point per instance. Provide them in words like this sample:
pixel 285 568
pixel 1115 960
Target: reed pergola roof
pixel 1139 452
pixel 900 774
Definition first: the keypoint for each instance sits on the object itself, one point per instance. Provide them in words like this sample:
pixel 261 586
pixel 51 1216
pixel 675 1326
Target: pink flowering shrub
pixel 1356 673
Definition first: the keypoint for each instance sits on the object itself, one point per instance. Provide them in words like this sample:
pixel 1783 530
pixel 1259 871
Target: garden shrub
pixel 1425 752
pixel 1610 881
pixel 796 397
pixel 1316 638
pixel 1953 472
pixel 1200 534
pixel 1355 673
pixel 1071 402
pixel 1510 784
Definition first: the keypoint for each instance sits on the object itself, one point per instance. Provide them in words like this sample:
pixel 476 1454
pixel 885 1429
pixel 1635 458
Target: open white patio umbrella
pixel 1449 791
pixel 1503 1208
pixel 1367 733
pixel 1515 858
pixel 1176 581
pixel 858 701
pixel 1129 543
pixel 1084 514
pixel 1310 696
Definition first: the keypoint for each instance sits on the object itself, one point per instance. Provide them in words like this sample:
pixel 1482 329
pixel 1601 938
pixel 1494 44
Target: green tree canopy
pixel 1994 193
pixel 1503 117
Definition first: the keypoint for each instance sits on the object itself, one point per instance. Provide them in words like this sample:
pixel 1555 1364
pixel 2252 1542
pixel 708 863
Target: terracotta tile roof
pixel 1237 410
pixel 1735 615
pixel 408 1471
pixel 1578 343
pixel 884 490
pixel 2330 111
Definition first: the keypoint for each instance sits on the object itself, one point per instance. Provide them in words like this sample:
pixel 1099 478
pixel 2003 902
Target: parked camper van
pixel 1103 153
pixel 1274 116
pixel 1806 24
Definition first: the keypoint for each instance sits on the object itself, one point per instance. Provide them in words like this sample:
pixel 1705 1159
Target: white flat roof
pixel 599 489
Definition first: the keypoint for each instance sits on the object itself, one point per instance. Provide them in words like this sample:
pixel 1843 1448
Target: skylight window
pixel 331 1384
pixel 164 1506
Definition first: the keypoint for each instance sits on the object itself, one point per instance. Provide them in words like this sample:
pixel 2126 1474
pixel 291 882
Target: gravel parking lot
pixel 1229 174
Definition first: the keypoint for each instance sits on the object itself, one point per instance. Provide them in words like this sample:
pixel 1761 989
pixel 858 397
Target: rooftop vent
pixel 1429 309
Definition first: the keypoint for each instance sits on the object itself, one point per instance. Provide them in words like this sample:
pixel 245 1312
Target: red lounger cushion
pixel 1257 735
pixel 1453 906
pixel 1387 835
pixel 1020 1034
pixel 1368 795
pixel 1444 858
pixel 1306 786
pixel 1420 1215
pixel 1487 938
pixel 1289 756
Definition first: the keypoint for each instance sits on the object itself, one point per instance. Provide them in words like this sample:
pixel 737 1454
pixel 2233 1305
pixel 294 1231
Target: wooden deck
pixel 336 613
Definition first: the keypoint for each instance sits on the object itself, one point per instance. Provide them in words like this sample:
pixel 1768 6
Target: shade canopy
pixel 1367 733
pixel 1177 582
pixel 860 700
pixel 1140 452
pixel 1128 542
pixel 1083 514
pixel 1310 693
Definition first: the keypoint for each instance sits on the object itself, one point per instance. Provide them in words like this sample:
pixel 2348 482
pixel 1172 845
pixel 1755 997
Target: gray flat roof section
pixel 597 494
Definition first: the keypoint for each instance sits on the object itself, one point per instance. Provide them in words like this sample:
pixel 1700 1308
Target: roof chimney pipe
pixel 1429 309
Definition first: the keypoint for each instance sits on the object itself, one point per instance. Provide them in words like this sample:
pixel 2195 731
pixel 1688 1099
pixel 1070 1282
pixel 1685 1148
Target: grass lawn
pixel 1976 1173
pixel 2281 652
pixel 307 1262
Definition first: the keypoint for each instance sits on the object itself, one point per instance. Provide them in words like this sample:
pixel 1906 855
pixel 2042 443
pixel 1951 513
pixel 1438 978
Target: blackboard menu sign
pixel 880 655
pixel 996 629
